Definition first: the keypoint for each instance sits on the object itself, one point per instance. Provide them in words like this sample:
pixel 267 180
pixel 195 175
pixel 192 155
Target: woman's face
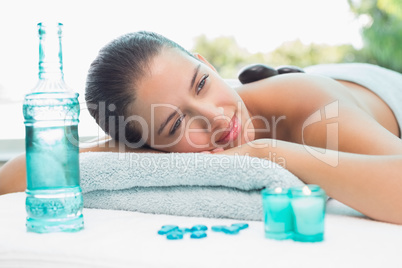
pixel 188 107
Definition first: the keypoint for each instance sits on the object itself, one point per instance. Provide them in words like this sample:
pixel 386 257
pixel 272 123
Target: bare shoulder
pixel 293 97
pixel 282 92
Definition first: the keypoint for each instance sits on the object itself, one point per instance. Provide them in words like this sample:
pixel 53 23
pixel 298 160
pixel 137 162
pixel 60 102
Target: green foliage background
pixel 382 38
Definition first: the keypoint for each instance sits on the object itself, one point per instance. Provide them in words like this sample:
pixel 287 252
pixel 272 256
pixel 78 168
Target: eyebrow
pixel 195 76
pixel 170 117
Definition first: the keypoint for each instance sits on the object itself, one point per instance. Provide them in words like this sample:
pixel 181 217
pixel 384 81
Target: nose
pixel 210 117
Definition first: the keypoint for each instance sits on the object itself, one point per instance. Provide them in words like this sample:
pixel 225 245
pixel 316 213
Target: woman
pixel 148 93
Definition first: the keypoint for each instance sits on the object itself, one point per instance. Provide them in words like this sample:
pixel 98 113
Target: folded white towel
pixel 188 184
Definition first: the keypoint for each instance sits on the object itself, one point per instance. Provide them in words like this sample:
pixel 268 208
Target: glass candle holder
pixel 278 216
pixel 308 205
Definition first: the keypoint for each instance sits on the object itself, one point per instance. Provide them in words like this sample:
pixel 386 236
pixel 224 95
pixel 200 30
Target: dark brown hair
pixel 113 77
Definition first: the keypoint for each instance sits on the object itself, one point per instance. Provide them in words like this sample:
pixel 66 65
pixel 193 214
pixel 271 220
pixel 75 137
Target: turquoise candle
pixel 278 216
pixel 308 204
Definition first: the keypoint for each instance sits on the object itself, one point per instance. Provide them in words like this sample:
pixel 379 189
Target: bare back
pixel 365 123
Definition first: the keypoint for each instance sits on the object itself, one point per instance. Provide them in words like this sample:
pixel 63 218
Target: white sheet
pixel 130 239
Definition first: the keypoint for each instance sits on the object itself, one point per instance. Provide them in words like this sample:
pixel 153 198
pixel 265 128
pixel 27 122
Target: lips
pixel 232 131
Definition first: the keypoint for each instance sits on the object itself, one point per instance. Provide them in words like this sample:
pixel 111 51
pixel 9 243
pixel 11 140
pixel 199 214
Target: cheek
pixel 247 126
pixel 196 139
pixel 192 140
pixel 231 95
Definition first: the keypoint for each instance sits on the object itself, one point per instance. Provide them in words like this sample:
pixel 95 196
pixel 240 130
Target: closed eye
pixel 176 124
pixel 201 84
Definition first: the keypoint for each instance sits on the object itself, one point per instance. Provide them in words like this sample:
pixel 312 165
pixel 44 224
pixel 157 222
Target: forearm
pixel 13 173
pixel 370 184
pixel 12 176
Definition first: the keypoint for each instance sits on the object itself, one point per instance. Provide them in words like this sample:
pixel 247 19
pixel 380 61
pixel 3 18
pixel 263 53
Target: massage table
pixel 113 238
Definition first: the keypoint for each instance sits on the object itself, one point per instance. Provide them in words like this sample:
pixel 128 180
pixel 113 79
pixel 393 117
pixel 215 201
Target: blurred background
pixel 230 34
pixel 313 32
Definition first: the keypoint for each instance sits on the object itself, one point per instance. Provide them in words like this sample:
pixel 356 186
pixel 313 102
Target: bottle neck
pixel 50 52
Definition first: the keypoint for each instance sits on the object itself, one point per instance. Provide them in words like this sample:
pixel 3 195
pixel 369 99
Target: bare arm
pixel 13 173
pixel 361 164
pixel 371 184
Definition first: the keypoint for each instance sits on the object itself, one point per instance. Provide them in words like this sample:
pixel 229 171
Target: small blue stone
pixel 199 228
pixel 231 230
pixel 241 226
pixel 174 235
pixel 198 234
pixel 217 228
pixel 184 230
pixel 167 228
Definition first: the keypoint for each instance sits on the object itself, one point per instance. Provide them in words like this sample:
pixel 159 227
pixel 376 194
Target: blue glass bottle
pixel 53 196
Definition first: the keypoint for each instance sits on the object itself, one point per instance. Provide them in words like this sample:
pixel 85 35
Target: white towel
pixel 188 184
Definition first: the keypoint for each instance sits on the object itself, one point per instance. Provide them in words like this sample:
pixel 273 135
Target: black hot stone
pixel 256 72
pixel 289 69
